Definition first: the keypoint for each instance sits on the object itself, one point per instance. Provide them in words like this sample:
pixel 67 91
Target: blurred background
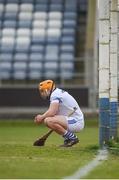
pixel 47 39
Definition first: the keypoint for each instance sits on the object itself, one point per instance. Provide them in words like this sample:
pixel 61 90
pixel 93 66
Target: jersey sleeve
pixel 56 97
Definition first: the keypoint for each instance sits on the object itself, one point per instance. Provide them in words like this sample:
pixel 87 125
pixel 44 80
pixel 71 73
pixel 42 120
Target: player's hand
pixel 38 119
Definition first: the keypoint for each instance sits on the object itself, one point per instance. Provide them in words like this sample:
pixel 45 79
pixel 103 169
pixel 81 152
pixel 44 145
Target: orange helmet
pixel 47 85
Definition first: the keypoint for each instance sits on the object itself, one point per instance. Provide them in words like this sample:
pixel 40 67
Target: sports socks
pixel 69 135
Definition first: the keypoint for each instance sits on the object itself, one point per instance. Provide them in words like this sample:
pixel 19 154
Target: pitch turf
pixel 20 159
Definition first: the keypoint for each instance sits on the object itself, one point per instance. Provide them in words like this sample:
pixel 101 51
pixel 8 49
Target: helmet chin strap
pixel 51 90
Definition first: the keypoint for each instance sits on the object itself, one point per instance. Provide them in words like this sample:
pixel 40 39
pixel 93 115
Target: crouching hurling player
pixel 58 117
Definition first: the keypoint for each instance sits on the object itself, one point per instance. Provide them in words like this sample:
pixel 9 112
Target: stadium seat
pixel 52 48
pixel 12 7
pixel 21 57
pixel 68 40
pixel 37 37
pixel 10 16
pixel 6 57
pixel 42 1
pixel 52 66
pixel 55 15
pixel 25 16
pixel 56 7
pixel 37 48
pixel 69 23
pixel 23 32
pixel 66 57
pixel 39 24
pixel 19 74
pixel 66 74
pixel 70 15
pixel 24 23
pixel 55 24
pixel 41 7
pixel 36 57
pixel 40 15
pixel 12 1
pixel 22 44
pixel 68 32
pixel 64 66
pixel 9 24
pixel 51 74
pixel 5 66
pixel 7 44
pixel 5 75
pixel 26 7
pixel 1 8
pixel 51 56
pixel 5 70
pixel 26 1
pixel 56 1
pixel 19 70
pixel 67 48
pixel 8 32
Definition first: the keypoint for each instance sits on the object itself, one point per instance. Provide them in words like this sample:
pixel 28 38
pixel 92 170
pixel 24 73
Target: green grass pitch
pixel 21 160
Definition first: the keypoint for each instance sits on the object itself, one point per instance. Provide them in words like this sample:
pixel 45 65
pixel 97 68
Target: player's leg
pixel 60 125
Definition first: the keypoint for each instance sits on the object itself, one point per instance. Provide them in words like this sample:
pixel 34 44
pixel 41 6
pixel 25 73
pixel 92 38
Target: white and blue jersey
pixel 66 105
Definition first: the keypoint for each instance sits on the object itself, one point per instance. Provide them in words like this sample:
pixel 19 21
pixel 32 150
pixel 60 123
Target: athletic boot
pixel 69 142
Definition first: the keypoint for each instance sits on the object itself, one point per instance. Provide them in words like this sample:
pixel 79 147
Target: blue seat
pixel 35 75
pixel 2 1
pixel 68 31
pixel 13 1
pixel 51 56
pixel 9 24
pixel 6 57
pixel 27 1
pixel 7 48
pixel 5 70
pixel 42 2
pixel 10 16
pixel 21 57
pixel 36 48
pixel 23 48
pixel 56 1
pixel 5 75
pixel 24 23
pixel 0 23
pixel 19 74
pixel 41 7
pixel 56 7
pixel 70 15
pixel 53 40
pixel 20 70
pixel 51 74
pixel 36 57
pixel 52 66
pixel 70 7
pixel 1 16
pixel 38 40
pixel 67 48
pixel 67 57
pixel 66 65
pixel 68 40
pixel 67 75
pixel 69 23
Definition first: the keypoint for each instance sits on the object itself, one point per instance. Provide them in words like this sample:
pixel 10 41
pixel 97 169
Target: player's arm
pixel 52 111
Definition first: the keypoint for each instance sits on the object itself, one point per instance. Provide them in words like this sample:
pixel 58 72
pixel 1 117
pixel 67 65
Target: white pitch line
pixel 81 172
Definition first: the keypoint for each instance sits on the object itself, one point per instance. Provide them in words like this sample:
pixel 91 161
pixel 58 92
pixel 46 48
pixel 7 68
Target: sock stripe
pixel 69 135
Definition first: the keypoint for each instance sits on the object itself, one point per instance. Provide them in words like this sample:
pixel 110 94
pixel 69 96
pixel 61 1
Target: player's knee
pixel 48 121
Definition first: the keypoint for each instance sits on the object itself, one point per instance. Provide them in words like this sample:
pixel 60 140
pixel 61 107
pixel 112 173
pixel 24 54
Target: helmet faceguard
pixel 46 87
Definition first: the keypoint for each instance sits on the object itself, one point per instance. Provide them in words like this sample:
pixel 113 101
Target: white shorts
pixel 74 124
